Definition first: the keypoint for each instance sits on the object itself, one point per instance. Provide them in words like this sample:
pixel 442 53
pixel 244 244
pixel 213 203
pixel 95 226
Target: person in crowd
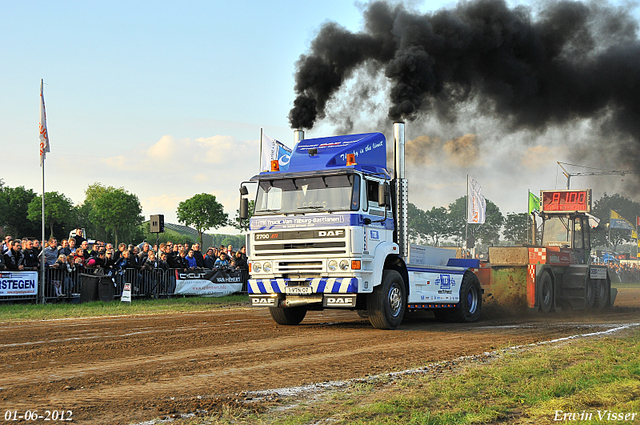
pixel 78 258
pixel 64 282
pixel 144 253
pixel 191 260
pixel 108 247
pixel 30 256
pixel 232 264
pixel 79 237
pixel 51 252
pixel 121 248
pixel 5 244
pixel 85 250
pixel 230 252
pixel 181 261
pixel 198 255
pixel 209 259
pixel 222 261
pixel 13 259
pixel 109 260
pixel 36 247
pixel 243 266
pixel 72 245
pixel 64 248
pixel 3 266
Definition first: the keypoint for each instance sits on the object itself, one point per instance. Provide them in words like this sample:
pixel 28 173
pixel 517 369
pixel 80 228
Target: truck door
pixel 581 243
pixel 375 231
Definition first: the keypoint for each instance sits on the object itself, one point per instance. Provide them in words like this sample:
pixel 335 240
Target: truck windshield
pixel 309 194
pixel 556 232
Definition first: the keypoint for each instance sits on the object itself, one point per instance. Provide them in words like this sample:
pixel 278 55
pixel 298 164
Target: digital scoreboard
pixel 566 200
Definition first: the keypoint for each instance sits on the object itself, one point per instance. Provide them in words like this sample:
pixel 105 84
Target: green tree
pixel 431 226
pixel 202 212
pixel 15 205
pixel 488 233
pixel 58 210
pixel 517 227
pixel 117 210
pixel 602 209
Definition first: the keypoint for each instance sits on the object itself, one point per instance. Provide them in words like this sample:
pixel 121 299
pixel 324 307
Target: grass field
pixel 13 312
pixel 589 381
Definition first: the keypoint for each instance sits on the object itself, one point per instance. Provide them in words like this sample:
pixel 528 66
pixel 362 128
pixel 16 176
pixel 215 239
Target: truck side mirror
pixel 383 195
pixel 244 209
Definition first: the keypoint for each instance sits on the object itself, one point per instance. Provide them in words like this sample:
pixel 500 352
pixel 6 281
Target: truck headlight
pixel 333 265
pixel 266 267
pixel 257 267
pixel 344 265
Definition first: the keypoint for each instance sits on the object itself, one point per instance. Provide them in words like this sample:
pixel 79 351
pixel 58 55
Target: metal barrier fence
pixel 65 285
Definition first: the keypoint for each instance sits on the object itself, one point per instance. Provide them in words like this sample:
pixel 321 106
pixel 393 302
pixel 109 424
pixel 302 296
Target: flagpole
pixel 42 279
pixel 466 224
pixel 260 158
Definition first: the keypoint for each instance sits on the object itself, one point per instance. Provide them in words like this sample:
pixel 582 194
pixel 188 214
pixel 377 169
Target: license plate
pixel 296 290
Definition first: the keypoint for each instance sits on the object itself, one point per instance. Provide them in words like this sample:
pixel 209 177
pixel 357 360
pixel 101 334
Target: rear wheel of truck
pixel 590 294
pixel 469 308
pixel 387 303
pixel 603 292
pixel 546 292
pixel 288 315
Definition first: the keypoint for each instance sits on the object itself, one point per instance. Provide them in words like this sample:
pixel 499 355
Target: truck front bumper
pixel 330 292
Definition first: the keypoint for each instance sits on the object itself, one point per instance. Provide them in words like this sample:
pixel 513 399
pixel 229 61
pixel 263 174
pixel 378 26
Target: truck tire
pixel 288 315
pixel 602 293
pixel 590 294
pixel 546 293
pixel 469 308
pixel 388 302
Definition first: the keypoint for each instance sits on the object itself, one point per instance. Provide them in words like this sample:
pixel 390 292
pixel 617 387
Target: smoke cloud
pixel 530 69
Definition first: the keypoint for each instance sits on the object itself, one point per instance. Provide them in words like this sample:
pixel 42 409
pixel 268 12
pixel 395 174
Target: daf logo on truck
pixel 330 233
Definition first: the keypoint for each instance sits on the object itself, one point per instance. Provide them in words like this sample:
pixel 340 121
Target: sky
pixel 167 99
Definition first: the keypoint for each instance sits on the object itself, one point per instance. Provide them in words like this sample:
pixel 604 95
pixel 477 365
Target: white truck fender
pixel 382 251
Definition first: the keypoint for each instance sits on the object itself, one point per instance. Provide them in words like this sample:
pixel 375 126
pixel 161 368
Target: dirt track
pixel 129 369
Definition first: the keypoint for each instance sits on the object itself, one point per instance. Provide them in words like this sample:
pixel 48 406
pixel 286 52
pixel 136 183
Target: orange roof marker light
pixel 351 159
pixel 275 165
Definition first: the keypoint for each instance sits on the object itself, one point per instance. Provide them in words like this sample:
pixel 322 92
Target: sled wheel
pixel 546 293
pixel 470 306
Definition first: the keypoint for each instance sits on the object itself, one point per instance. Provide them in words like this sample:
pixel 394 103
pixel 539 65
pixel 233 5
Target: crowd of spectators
pixel 624 272
pixel 76 254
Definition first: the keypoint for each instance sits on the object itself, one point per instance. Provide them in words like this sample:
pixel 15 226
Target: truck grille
pixel 300 248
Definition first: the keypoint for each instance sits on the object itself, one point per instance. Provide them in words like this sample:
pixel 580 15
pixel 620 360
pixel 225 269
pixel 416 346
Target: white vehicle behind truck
pixel 331 232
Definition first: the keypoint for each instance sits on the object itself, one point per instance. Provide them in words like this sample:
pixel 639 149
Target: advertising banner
pixel 18 283
pixel 209 283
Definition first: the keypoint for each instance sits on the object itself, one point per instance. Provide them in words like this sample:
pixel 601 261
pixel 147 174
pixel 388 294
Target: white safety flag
pixel 476 205
pixel 44 135
pixel 272 149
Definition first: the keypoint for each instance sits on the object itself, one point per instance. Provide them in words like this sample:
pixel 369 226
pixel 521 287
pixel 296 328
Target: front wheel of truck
pixel 387 303
pixel 288 315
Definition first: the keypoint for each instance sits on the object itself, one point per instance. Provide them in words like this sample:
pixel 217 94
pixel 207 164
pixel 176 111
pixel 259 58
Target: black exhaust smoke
pixel 572 60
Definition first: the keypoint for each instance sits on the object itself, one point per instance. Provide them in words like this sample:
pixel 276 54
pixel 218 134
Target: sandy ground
pixel 121 370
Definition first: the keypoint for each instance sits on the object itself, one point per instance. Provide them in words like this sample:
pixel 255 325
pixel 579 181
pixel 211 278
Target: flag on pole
pixel 637 221
pixel 476 204
pixel 534 203
pixel 618 222
pixel 44 135
pixel 272 150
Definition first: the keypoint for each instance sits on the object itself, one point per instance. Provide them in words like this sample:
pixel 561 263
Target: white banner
pixel 272 149
pixel 477 205
pixel 18 283
pixel 210 283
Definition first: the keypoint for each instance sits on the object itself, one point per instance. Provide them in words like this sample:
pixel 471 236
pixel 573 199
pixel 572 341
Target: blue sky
pixel 167 99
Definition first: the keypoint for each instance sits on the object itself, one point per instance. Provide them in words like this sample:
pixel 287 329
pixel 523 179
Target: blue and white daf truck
pixel 331 232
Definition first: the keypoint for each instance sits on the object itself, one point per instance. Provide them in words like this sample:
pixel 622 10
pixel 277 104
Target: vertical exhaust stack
pixel 402 190
pixel 298 135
